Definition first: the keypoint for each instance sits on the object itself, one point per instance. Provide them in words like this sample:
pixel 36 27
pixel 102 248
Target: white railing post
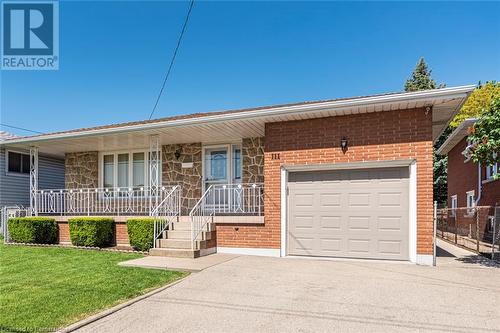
pixel 34 180
pixel 154 171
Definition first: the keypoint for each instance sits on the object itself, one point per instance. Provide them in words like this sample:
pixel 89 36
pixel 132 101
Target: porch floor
pixel 180 264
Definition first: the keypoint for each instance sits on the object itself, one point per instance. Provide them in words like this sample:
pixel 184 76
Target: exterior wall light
pixel 344 144
pixel 177 153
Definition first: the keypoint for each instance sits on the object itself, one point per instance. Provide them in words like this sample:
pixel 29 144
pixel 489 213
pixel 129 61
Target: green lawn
pixel 43 288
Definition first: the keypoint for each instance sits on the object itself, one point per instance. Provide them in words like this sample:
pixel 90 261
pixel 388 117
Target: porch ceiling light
pixel 254 185
pixel 344 144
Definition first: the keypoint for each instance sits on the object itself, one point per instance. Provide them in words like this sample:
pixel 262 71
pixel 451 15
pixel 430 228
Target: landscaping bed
pixel 45 288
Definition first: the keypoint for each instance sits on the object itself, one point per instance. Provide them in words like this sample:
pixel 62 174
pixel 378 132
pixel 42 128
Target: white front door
pixel 222 166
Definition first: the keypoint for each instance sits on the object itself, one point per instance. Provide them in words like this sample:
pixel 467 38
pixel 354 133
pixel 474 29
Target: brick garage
pixel 394 135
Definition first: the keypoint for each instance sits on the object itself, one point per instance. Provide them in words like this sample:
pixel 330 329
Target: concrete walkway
pixel 260 294
pixel 179 264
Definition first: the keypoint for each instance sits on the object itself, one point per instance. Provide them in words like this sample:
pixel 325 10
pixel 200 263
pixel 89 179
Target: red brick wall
pixel 463 177
pixel 395 135
pixel 491 194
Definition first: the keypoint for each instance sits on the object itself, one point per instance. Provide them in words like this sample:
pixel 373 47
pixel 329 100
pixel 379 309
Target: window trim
pixel 12 173
pixel 131 152
pixel 468 194
pixel 491 171
pixel 454 205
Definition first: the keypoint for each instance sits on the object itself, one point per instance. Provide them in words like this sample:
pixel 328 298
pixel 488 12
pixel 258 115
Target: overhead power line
pixel 173 57
pixel 20 128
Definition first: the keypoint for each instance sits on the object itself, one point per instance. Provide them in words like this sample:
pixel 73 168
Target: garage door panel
pixel 357 223
pixel 390 223
pixel 350 213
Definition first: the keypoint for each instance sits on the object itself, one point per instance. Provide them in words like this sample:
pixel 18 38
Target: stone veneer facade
pixel 252 151
pixel 81 170
pixel 189 178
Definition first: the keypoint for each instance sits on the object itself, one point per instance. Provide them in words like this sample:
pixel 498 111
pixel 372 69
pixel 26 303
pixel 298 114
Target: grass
pixel 43 288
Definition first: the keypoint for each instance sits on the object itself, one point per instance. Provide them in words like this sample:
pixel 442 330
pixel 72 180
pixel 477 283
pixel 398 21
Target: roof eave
pixel 455 92
pixel 458 134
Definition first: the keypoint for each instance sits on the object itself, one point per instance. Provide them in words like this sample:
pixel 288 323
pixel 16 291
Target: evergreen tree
pixel 421 80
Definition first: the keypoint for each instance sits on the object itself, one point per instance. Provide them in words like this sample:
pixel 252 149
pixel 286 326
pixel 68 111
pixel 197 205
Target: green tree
pixel 421 80
pixel 485 136
pixel 478 102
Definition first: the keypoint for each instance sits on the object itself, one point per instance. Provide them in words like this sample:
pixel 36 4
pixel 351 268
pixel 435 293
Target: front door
pixel 222 170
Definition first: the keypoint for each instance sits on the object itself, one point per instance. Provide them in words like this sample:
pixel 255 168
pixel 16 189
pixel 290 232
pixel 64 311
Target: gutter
pixel 450 93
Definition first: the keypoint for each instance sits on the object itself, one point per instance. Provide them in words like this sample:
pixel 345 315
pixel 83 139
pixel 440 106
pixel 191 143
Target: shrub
pixel 91 231
pixel 33 229
pixel 140 233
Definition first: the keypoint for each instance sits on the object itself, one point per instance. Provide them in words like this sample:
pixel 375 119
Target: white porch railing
pixel 168 210
pixel 227 199
pixel 98 201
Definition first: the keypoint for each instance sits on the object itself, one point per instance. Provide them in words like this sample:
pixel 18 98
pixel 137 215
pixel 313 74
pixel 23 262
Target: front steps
pixel 176 242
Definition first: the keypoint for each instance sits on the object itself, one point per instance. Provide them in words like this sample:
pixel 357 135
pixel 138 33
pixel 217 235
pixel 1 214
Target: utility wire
pixel 20 128
pixel 173 57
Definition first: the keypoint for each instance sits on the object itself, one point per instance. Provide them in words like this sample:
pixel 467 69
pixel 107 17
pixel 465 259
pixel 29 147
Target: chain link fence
pixel 476 228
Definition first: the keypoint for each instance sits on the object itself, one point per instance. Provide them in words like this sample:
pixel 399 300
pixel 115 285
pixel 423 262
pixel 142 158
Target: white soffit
pixel 246 123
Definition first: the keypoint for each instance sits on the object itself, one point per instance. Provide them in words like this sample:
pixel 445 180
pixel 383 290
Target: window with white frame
pixel 491 171
pixel 18 163
pixel 454 205
pixel 125 169
pixel 470 201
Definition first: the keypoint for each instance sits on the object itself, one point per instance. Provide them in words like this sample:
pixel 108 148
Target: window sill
pixel 489 180
pixel 17 174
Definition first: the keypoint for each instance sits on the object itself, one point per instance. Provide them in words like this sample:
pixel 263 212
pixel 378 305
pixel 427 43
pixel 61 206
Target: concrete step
pixel 185 234
pixel 175 243
pixel 181 226
pixel 177 234
pixel 180 244
pixel 176 253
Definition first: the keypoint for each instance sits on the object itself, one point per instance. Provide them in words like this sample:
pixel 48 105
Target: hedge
pixel 140 233
pixel 33 229
pixel 91 231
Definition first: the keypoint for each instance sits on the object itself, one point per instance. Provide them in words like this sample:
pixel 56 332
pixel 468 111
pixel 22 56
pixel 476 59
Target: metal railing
pixel 226 199
pixel 244 199
pixel 6 213
pixel 98 201
pixel 200 217
pixel 166 211
pixel 475 228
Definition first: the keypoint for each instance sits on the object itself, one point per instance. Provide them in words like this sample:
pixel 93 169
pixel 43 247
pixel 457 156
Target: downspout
pixel 479 184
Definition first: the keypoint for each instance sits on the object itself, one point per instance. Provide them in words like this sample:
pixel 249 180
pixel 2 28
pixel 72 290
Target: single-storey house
pixel 469 184
pixel 348 177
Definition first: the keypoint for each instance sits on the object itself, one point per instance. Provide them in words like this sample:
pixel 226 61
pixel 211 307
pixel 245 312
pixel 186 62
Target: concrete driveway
pixel 260 294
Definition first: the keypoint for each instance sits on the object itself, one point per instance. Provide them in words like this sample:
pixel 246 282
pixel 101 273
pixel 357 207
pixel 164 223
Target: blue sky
pixel 114 55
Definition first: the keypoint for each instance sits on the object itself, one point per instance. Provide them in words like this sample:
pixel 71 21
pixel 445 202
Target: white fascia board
pixel 458 134
pixel 445 93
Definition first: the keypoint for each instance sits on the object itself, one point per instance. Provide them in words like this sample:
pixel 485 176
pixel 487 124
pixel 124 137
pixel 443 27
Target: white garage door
pixel 349 213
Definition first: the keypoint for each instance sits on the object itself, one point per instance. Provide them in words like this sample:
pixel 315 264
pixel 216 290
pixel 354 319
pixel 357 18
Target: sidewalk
pixel 180 264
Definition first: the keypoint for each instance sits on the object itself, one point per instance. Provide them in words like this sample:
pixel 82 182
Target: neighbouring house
pixel 469 184
pixel 345 178
pixel 15 173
